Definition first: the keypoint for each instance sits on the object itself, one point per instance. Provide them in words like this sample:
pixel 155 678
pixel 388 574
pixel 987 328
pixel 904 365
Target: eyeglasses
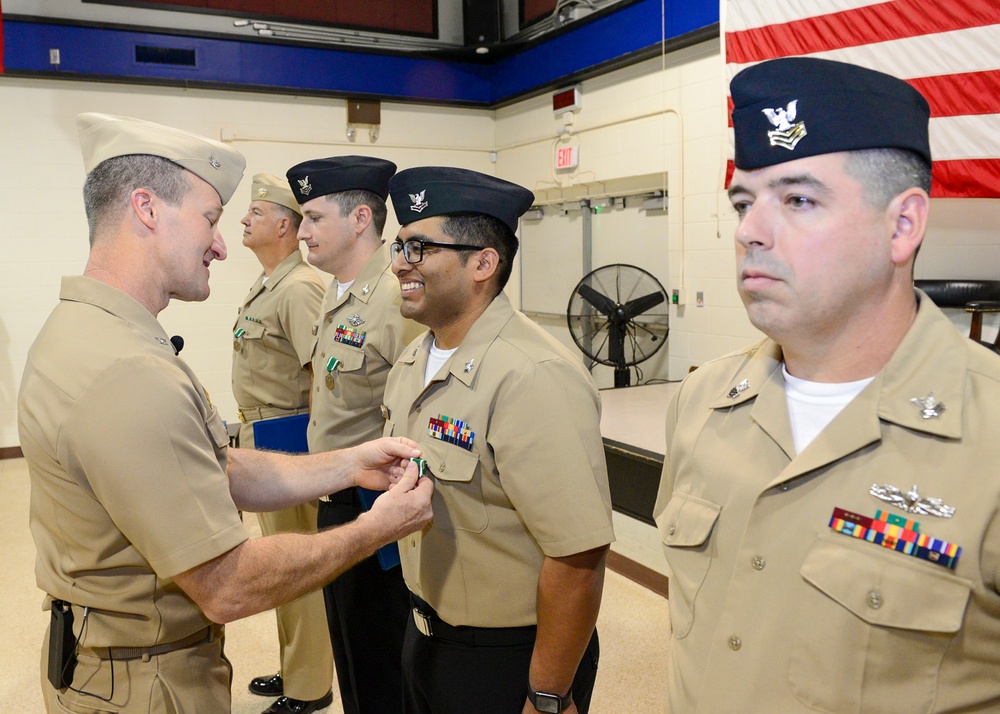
pixel 413 249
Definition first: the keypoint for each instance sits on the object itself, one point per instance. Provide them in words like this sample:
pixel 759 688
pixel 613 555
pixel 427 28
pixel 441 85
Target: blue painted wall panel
pixel 110 53
pixel 613 36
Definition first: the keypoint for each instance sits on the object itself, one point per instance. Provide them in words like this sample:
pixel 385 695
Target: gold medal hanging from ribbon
pixel 237 344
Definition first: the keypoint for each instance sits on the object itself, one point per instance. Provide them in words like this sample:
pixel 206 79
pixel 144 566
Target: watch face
pixel 547 703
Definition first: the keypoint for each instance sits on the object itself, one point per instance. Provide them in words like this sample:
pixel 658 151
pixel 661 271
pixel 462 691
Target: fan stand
pixel 616 348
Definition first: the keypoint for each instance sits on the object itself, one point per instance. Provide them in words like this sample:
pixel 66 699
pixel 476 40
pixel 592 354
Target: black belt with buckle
pixel 430 625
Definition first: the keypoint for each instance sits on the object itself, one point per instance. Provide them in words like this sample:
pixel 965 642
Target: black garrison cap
pixel 790 108
pixel 428 191
pixel 320 177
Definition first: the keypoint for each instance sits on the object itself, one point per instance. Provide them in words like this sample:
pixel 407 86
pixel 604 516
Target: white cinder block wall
pixel 662 115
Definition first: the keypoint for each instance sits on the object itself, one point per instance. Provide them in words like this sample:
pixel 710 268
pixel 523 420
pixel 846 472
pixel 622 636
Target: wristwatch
pixel 549 703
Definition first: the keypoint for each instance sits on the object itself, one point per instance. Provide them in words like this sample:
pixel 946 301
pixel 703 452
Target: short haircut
pixel 108 187
pixel 349 200
pixel 886 173
pixel 487 232
pixel 294 218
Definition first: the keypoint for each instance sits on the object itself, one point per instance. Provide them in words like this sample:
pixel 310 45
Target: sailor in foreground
pixel 506 583
pixel 829 507
pixel 141 548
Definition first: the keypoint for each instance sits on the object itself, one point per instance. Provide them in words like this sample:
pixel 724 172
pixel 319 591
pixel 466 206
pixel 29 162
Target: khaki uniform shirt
pixel 127 460
pixel 346 404
pixel 275 340
pixel 774 611
pixel 530 481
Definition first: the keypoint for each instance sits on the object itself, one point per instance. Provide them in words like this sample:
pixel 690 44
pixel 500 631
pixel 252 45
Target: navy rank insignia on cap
pixel 261 192
pixel 786 135
pixel 304 188
pixel 419 204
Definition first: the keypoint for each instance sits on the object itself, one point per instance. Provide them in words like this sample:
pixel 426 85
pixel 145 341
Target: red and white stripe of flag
pixel 948 49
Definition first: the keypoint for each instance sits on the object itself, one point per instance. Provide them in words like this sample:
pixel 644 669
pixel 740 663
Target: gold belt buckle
pixel 243 419
pixel 423 623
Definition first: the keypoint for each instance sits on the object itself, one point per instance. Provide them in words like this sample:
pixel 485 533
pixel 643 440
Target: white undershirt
pixel 343 288
pixel 263 281
pixel 435 360
pixel 813 405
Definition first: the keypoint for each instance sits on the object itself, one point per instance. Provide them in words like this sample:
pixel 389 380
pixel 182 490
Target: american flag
pixel 948 49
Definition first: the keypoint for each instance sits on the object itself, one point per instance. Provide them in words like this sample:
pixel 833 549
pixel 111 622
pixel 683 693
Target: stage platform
pixel 632 426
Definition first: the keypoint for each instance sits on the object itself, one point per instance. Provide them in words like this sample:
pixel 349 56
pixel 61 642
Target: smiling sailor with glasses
pixel 506 582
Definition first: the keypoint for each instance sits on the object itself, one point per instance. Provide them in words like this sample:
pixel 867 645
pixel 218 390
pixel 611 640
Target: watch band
pixel 549 703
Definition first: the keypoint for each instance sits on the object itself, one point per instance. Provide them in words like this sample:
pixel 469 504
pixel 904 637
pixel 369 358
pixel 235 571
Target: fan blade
pixel 603 303
pixel 642 304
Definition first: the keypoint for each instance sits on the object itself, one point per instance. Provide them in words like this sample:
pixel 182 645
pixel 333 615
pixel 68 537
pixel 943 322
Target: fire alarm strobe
pixel 566 100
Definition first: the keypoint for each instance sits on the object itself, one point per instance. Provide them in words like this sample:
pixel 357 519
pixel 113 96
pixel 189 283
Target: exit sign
pixel 567 157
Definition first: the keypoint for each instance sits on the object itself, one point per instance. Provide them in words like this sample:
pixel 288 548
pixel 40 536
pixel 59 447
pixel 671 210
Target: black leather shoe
pixel 287 705
pixel 267 686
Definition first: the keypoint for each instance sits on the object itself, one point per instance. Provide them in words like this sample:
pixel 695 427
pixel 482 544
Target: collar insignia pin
pixel 739 389
pixel 786 134
pixel 356 320
pixel 304 186
pixel 214 162
pixel 365 290
pixel 930 408
pixel 470 364
pixel 912 501
pixel 419 204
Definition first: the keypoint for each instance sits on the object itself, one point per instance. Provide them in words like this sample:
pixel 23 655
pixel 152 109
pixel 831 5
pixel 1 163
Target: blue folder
pixel 288 434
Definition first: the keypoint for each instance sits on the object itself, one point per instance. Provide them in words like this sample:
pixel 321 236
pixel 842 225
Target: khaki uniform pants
pixel 193 679
pixel 303 637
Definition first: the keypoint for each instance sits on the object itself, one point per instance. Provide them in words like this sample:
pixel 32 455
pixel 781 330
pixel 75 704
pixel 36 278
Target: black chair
pixel 974 296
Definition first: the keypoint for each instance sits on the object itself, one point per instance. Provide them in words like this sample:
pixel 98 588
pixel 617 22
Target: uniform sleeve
pixel 297 314
pixel 666 476
pixel 546 436
pixel 141 437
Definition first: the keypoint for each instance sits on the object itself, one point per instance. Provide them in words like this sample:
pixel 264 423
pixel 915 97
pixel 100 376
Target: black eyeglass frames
pixel 413 249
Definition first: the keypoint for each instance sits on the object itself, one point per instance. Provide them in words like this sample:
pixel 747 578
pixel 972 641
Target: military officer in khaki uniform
pixel 506 583
pixel 272 340
pixel 141 549
pixel 829 503
pixel 359 334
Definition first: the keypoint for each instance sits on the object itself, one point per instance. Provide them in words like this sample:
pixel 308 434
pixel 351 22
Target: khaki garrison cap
pixel 275 190
pixel 104 136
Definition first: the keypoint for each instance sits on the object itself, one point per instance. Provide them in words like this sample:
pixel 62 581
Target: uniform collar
pixel 465 364
pixel 931 359
pixel 468 358
pixel 286 266
pixel 372 272
pixel 80 288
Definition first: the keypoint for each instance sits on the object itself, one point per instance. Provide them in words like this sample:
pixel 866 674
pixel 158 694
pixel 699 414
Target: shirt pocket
pixel 252 344
pixel 872 617
pixel 352 389
pixel 458 490
pixel 685 526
